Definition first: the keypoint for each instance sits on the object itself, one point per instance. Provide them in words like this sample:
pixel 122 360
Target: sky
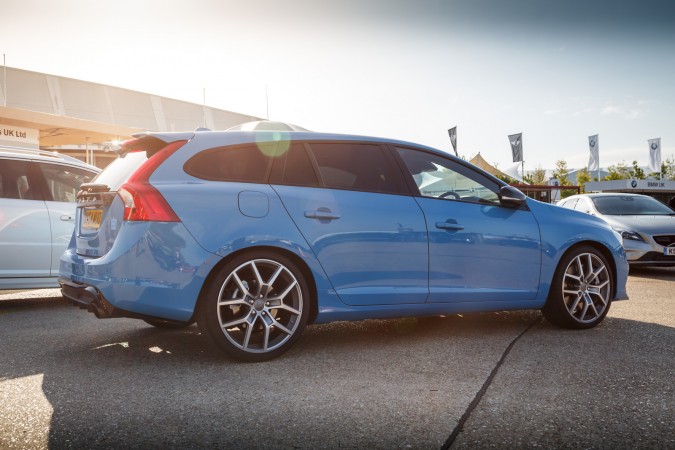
pixel 556 71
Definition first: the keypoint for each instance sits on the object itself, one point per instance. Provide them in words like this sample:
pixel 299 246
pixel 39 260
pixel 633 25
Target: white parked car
pixel 38 190
pixel 647 226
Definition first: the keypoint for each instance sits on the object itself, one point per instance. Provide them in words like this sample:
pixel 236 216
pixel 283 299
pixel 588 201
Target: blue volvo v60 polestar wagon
pixel 255 234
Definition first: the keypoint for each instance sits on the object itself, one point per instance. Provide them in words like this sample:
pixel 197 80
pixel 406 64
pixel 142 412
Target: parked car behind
pixel 646 225
pixel 38 190
pixel 255 234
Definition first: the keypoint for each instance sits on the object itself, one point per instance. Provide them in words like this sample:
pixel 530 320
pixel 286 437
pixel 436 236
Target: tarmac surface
pixel 500 380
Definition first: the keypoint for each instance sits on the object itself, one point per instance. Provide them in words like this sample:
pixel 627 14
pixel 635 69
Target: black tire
pixel 581 291
pixel 255 307
pixel 167 324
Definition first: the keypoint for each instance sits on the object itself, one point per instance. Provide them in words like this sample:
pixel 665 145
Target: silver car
pixel 37 214
pixel 646 225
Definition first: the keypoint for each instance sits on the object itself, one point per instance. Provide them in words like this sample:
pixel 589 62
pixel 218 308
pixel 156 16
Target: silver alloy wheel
pixel 260 306
pixel 586 287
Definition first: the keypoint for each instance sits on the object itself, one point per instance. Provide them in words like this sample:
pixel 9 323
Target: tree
pixel 618 172
pixel 560 174
pixel 637 172
pixel 668 169
pixel 538 176
pixel 583 177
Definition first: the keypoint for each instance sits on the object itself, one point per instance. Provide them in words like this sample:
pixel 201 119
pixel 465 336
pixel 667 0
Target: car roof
pixel 607 194
pixel 43 155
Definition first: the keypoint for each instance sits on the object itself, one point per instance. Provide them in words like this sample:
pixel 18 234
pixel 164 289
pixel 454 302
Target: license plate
pixel 669 251
pixel 92 219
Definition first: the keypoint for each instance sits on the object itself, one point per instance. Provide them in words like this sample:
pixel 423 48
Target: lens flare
pixel 273 143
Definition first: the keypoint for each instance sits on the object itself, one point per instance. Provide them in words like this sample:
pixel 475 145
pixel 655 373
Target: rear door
pixel 348 201
pixel 25 237
pixel 62 184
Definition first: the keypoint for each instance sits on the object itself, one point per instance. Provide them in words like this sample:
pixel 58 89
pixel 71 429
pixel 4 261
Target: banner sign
pixel 594 158
pixel 19 137
pixel 453 138
pixel 655 155
pixel 516 141
pixel 650 185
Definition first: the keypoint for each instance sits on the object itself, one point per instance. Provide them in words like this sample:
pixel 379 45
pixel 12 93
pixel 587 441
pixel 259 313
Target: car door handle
pixel 67 218
pixel 322 215
pixel 449 226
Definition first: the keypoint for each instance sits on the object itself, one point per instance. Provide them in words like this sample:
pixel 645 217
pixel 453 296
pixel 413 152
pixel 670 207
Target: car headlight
pixel 630 235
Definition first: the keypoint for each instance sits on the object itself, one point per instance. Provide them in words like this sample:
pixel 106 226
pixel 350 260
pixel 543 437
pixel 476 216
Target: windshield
pixel 629 205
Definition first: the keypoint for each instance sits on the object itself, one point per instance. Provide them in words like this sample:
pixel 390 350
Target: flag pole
pixel 4 79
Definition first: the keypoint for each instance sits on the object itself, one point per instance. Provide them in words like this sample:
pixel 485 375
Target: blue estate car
pixel 255 234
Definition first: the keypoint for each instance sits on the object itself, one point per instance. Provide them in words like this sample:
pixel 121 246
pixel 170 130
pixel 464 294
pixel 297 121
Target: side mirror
pixel 510 196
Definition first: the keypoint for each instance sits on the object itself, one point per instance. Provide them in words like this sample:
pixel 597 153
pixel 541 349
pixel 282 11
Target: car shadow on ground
pixel 655 273
pixel 120 382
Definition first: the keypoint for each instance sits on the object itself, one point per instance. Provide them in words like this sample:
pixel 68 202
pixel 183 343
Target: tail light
pixel 142 202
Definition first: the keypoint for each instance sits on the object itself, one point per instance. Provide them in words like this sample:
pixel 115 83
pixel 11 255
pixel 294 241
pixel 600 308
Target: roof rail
pixel 38 152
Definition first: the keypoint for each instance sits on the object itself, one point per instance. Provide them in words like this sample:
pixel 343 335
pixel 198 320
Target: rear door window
pixel 19 180
pixel 355 166
pixel 295 167
pixel 64 182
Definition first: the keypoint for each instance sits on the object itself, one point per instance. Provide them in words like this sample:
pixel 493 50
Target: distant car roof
pixel 43 155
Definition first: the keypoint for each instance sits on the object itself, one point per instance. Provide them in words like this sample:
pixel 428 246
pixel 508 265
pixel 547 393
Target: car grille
pixel 665 240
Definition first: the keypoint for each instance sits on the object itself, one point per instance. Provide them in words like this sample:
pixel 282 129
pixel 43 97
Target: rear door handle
pixel 67 218
pixel 449 226
pixel 322 215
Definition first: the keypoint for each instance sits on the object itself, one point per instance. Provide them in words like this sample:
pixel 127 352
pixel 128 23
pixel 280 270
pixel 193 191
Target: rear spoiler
pixel 152 142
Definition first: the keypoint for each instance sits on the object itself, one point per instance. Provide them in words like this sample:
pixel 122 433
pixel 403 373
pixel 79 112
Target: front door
pixel 479 250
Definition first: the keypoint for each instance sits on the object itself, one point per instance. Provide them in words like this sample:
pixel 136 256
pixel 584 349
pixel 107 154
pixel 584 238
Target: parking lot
pixel 499 380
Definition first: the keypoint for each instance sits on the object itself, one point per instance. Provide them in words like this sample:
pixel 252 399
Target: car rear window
pixel 119 170
pixel 630 206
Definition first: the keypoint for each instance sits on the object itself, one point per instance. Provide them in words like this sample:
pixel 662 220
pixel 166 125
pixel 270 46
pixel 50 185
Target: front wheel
pixel 256 306
pixel 581 291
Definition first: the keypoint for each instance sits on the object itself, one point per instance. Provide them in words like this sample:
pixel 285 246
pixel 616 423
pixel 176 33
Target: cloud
pixel 607 110
pixel 626 113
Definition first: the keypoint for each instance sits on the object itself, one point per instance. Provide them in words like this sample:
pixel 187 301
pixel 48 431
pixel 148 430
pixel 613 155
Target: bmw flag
pixel 655 155
pixel 453 138
pixel 516 141
pixel 594 158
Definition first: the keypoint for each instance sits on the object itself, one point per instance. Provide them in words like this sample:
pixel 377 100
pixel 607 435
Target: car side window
pixel 18 181
pixel 246 163
pixel 570 203
pixel 583 206
pixel 64 182
pixel 355 166
pixel 443 178
pixel 294 168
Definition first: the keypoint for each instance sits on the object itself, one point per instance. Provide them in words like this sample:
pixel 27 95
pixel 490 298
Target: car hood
pixel 646 224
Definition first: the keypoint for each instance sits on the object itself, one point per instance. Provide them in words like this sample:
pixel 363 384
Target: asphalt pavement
pixel 499 380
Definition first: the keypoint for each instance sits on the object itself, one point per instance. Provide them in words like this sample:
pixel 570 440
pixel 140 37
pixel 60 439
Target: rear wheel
pixel 256 307
pixel 581 291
